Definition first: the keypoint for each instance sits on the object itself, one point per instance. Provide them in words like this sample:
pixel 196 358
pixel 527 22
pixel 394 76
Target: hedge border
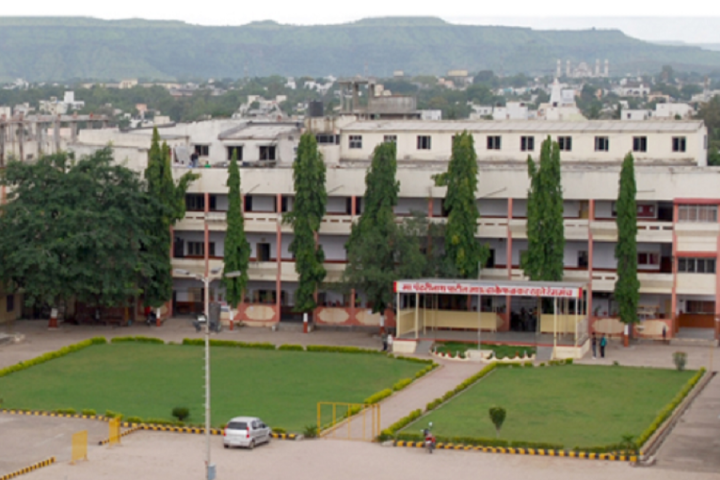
pixel 46 357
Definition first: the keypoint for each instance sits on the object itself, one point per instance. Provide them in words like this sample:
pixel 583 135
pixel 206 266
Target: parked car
pixel 246 432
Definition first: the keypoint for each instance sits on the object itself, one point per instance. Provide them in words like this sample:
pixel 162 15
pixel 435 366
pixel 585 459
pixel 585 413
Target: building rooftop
pixel 524 126
pixel 259 131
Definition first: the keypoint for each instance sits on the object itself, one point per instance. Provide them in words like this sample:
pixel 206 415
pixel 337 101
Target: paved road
pixel 151 455
pixel 25 440
pixel 694 444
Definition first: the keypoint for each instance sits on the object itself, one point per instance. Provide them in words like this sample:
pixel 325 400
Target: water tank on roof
pixel 315 109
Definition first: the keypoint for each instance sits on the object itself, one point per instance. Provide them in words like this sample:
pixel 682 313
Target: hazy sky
pixel 532 13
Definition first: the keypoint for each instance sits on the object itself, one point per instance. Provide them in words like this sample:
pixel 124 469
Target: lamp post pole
pixel 210 471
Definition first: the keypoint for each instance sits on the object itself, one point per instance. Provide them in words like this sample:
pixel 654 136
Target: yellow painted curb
pixel 524 451
pixel 34 466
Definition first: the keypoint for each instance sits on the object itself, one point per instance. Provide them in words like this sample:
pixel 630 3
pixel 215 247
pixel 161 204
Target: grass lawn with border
pixel 501 351
pixel 148 381
pixel 573 405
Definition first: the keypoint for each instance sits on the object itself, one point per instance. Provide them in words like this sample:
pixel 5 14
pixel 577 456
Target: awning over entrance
pixel 512 288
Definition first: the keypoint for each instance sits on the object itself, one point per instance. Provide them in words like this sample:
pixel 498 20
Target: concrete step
pixel 543 354
pixel 423 347
pixel 290 326
pixel 693 342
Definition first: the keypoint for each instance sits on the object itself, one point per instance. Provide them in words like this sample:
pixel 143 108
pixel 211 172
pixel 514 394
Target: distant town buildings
pixel 582 70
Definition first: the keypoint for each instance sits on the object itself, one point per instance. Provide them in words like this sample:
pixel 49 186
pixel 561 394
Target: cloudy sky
pixel 696 24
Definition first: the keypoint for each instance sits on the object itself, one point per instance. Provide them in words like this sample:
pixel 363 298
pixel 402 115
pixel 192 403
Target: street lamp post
pixel 207 280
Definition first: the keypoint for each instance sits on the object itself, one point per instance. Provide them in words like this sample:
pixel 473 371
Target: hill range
pixel 60 49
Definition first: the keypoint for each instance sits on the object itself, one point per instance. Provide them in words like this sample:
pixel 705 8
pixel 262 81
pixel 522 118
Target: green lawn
pixel 501 351
pixel 574 405
pixel 281 387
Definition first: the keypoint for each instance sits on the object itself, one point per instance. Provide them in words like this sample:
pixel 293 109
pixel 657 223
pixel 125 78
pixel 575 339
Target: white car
pixel 246 432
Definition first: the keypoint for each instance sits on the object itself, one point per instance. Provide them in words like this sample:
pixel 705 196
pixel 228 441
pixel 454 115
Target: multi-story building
pixel 677 196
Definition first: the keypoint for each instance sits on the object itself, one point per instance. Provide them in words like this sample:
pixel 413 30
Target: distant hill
pixel 41 49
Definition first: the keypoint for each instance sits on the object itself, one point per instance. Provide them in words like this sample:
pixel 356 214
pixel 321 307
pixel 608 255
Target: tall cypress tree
pixel 305 217
pixel 237 248
pixel 627 286
pixel 372 247
pixel 463 253
pixel 157 281
pixel 545 231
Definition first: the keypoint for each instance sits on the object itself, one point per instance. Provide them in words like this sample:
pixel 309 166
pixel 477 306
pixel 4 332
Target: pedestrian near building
pixel 390 343
pixel 603 344
pixel 594 345
pixel 384 342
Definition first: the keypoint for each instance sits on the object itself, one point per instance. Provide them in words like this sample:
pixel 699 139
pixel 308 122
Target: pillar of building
pixel 673 301
pixel 56 133
pixel 508 255
pixel 74 128
pixel 21 137
pixel 591 248
pixel 717 288
pixel 278 253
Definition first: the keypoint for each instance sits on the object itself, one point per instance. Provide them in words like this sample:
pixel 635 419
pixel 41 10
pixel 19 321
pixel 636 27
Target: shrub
pixel 310 431
pixel 528 364
pixel 402 384
pixel 229 343
pixel 336 349
pixel 413 359
pixel 376 397
pixel 181 413
pixel 680 360
pixel 278 430
pixel 66 411
pixel 137 339
pixel 46 357
pixel 111 414
pixel 89 412
pixel 134 420
pixel 403 422
pixel 568 361
pixel 497 417
pixel 298 348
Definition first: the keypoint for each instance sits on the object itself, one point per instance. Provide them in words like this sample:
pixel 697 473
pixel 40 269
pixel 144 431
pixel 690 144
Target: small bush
pixel 616 363
pixel 336 349
pixel 403 422
pixel 137 339
pixel 111 414
pixel 568 361
pixel 497 417
pixel 402 384
pixel 181 413
pixel 298 348
pixel 163 421
pixel 229 343
pixel 134 420
pixel 528 364
pixel 376 397
pixel 89 412
pixel 680 360
pixel 278 430
pixel 66 411
pixel 310 431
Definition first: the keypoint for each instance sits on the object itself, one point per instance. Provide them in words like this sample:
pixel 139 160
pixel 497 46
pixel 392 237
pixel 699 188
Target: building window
pixel 699 306
pixel 639 144
pixel 527 144
pixel 678 144
pixel 393 139
pixel 327 139
pixel 10 303
pixel 697 213
pixel 195 202
pixel 355 141
pixel 602 144
pixel 267 152
pixel 565 144
pixel 494 142
pixel 196 249
pixel 211 248
pixel 696 265
pixel 423 142
pixel 234 150
pixel 263 252
pixel 202 150
pixel 648 259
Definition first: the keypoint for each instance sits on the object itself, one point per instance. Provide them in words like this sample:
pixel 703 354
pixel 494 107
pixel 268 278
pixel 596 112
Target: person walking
pixel 603 344
pixel 384 342
pixel 594 345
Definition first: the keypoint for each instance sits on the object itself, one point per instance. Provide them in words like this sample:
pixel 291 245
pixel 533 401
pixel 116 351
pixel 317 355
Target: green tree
pixel 237 248
pixel 163 189
pixel 627 286
pixel 462 250
pixel 497 417
pixel 305 217
pixel 75 229
pixel 379 251
pixel 545 231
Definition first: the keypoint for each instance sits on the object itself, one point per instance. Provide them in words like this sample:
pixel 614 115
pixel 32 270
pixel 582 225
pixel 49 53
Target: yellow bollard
pixel 79 446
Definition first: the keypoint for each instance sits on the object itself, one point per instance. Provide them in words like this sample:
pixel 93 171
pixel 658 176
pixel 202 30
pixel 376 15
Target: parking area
pixel 181 457
pixel 25 440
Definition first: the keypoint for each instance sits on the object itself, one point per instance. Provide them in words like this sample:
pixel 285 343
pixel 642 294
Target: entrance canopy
pixel 511 288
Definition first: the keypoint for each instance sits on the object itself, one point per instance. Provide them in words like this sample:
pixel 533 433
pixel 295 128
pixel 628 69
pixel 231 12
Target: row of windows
pixel 696 265
pixel 267 152
pixel 527 143
pixel 697 213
